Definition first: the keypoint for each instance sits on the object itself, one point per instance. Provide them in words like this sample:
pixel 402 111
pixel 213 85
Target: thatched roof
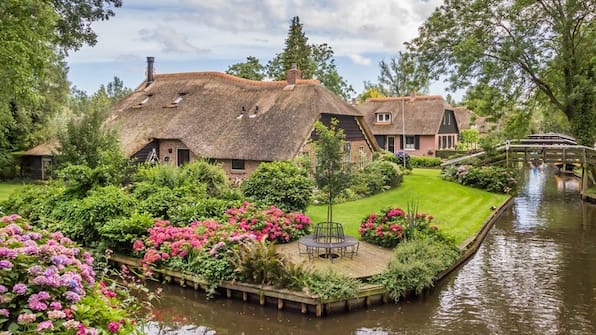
pixel 206 119
pixel 466 119
pixel 422 114
pixel 44 149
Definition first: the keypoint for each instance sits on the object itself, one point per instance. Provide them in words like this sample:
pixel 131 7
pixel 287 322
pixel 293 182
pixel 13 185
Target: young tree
pixel 313 61
pixel 251 69
pixel 85 140
pixel 331 174
pixel 524 48
pixel 402 75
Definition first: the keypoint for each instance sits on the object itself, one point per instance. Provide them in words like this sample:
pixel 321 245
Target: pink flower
pixel 56 315
pixel 45 325
pixel 138 246
pixel 26 318
pixel 113 327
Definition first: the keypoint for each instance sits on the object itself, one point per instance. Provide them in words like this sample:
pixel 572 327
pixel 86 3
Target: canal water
pixel 534 274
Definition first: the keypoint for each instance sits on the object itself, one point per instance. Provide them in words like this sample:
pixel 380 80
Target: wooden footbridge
pixel 556 149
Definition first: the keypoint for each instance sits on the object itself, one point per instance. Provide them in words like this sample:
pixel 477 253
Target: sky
pixel 211 35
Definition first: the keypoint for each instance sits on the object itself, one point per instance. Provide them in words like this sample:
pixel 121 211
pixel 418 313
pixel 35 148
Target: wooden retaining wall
pixel 304 302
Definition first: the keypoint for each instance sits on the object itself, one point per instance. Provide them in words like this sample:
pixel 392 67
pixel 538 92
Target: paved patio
pixel 369 261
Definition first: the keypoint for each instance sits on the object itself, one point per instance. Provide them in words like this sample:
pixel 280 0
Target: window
pixel 383 117
pixel 447 142
pixel 362 156
pixel 447 117
pixel 179 98
pixel 391 143
pixel 183 156
pixel 144 101
pixel 237 164
pixel 410 142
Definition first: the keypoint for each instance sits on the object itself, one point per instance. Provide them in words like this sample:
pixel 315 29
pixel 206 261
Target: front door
pixel 183 156
pixel 391 144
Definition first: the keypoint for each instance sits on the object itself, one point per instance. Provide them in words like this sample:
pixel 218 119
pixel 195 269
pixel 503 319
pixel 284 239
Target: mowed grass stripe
pixel 457 210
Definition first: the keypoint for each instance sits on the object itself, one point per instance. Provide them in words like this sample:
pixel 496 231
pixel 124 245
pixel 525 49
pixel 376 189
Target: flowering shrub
pixel 489 178
pixel 47 285
pixel 247 222
pixel 392 226
pixel 272 223
pixel 402 156
pixel 203 247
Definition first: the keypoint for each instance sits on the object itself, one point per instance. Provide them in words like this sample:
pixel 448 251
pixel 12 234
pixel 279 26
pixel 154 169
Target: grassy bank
pixel 6 189
pixel 457 210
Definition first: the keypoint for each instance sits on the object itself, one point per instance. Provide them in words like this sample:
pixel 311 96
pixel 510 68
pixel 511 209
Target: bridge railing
pixel 524 152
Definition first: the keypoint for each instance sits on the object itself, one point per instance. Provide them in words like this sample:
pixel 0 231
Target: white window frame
pixel 383 117
pixel 410 146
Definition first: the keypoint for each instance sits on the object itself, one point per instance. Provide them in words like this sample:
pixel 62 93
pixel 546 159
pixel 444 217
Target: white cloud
pixel 359 59
pixel 170 40
pixel 227 31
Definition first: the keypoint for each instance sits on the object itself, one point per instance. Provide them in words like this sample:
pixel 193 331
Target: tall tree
pixel 116 90
pixel 35 36
pixel 402 74
pixel 524 48
pixel 251 69
pixel 313 61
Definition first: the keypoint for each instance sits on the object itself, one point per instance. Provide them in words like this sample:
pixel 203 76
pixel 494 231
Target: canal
pixel 534 274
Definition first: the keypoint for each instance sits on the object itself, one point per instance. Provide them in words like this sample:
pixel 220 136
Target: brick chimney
pixel 150 61
pixel 293 75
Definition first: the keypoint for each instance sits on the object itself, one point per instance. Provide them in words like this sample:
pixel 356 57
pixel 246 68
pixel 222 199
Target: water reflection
pixel 534 274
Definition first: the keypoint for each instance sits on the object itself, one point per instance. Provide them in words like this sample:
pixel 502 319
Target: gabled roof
pixel 422 114
pixel 207 121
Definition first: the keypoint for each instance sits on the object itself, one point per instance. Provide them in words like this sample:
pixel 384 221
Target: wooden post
pixel 584 178
pixel 262 299
pixel 244 296
pixel 348 305
pixel 319 310
pixel 303 308
pixel 228 293
pixel 280 303
pixel 367 301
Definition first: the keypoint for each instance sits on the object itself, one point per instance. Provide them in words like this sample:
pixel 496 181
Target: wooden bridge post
pixel 584 186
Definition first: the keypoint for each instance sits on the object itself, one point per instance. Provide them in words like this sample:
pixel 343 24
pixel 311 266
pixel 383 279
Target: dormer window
pixel 144 101
pixel 176 101
pixel 383 117
pixel 179 98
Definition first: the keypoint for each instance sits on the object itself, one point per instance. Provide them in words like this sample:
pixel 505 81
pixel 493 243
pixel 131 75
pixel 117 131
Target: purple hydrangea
pixel 5 264
pixel 19 289
pixel 4 312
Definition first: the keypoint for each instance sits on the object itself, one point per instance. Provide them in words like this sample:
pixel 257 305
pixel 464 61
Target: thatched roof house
pixel 178 117
pixel 419 124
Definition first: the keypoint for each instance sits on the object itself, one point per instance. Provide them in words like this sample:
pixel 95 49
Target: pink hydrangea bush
pixel 47 285
pixel 169 245
pixel 392 226
pixel 272 223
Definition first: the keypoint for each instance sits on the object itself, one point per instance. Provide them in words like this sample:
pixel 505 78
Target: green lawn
pixel 457 210
pixel 6 189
